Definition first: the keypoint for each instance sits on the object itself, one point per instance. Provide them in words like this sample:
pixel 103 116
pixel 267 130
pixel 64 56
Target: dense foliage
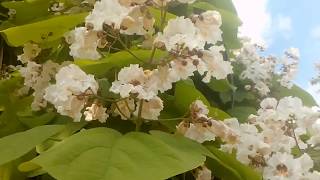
pixel 147 90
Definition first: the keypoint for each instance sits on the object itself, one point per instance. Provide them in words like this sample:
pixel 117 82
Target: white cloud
pixel 314 90
pixel 256 19
pixel 284 23
pixel 283 26
pixel 315 32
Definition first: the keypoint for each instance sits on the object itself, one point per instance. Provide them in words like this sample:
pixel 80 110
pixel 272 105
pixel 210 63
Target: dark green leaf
pixel 186 93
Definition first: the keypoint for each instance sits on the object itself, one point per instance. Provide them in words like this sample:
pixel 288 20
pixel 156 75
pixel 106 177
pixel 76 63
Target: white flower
pixel 198 109
pixel 203 173
pixel 30 73
pixel 290 64
pixel 150 109
pixel 68 95
pixel 132 80
pixel 38 77
pixel 217 67
pixel 139 21
pixel 290 108
pixel 30 51
pixel 180 33
pixel 109 12
pixel 84 44
pixel 315 175
pixel 124 108
pixel 96 112
pixel 183 68
pixel 209 24
pixel 282 166
pixel 162 79
pixel 196 132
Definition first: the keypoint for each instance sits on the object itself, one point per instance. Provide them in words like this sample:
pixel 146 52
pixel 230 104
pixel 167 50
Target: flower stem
pixel 139 119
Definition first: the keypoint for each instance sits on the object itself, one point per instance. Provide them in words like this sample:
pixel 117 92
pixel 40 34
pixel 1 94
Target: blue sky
pixel 282 24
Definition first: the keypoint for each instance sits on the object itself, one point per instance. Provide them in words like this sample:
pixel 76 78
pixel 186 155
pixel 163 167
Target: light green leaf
pixel 105 154
pixel 42 31
pixel 16 145
pixel 186 93
pixel 28 10
pixel 227 167
pixel 115 61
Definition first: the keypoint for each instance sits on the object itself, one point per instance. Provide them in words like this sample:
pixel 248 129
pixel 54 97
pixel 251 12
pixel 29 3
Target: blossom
pixel 289 68
pixel 132 80
pixel 176 36
pixel 68 94
pixel 96 112
pixel 196 132
pixel 84 44
pixel 217 67
pixel 283 165
pixel 162 79
pixel 150 109
pixel 209 24
pixel 139 21
pixel 183 68
pixel 124 108
pixel 203 173
pixel 30 51
pixel 38 77
pixel 109 12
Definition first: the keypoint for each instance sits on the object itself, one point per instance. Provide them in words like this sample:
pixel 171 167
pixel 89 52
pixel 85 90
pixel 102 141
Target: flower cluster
pixel 267 141
pixel 69 93
pixel 275 141
pixel 38 77
pixel 260 70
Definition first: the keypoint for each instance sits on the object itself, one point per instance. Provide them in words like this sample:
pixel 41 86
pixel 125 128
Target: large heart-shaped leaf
pixel 186 93
pixel 42 31
pixel 16 145
pixel 105 154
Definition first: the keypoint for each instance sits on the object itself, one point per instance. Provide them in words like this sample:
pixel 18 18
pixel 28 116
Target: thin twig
pixel 139 120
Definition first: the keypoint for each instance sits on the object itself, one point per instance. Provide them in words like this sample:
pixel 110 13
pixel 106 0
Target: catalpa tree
pixel 147 90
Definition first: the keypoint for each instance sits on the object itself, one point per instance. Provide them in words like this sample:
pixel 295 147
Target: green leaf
pixel 230 20
pixel 28 10
pixel 16 145
pixel 115 61
pixel 9 171
pixel 279 92
pixel 105 154
pixel 186 93
pixel 227 167
pixel 242 112
pixel 219 85
pixel 42 31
